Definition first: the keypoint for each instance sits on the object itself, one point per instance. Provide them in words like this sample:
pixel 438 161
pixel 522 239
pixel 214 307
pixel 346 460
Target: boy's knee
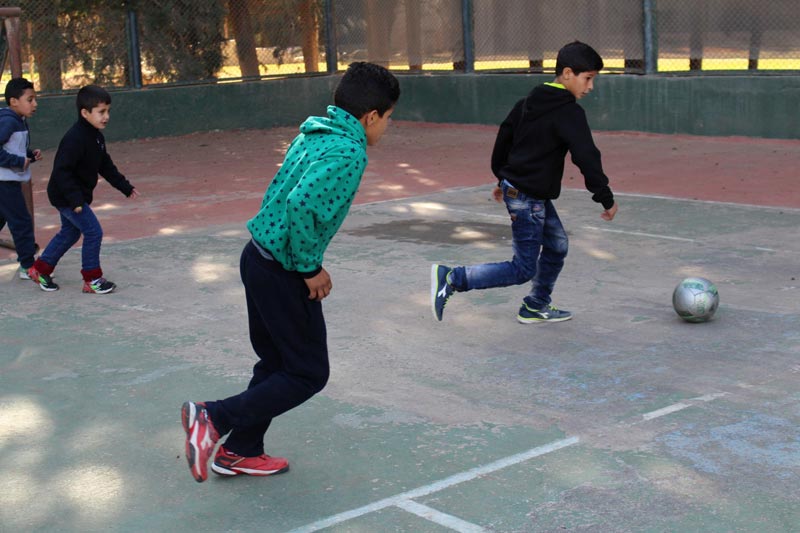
pixel 320 379
pixel 95 233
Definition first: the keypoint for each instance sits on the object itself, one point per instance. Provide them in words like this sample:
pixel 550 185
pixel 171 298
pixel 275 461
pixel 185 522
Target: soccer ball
pixel 695 299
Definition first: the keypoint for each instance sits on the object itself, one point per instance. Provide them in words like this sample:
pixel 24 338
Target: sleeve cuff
pixel 308 275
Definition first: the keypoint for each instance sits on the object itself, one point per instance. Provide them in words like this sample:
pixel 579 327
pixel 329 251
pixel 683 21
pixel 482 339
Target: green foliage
pixel 181 40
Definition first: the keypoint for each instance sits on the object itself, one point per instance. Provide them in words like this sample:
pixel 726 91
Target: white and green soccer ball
pixel 695 299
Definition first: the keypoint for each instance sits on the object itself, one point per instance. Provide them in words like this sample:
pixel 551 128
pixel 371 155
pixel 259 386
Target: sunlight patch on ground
pixel 207 271
pixel 22 418
pixel 173 230
pixel 466 234
pixel 105 207
pixel 601 254
pixel 693 271
pixel 423 208
pixel 393 187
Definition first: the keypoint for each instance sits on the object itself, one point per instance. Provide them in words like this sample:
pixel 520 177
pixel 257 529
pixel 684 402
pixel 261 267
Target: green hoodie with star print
pixel 311 194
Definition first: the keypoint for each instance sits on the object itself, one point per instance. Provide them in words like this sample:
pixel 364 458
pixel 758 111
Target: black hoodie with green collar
pixel 534 139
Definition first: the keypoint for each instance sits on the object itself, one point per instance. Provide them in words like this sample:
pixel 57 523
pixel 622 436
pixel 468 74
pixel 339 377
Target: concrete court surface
pixel 623 419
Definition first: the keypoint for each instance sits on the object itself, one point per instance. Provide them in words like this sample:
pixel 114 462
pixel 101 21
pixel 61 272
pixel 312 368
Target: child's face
pixel 25 105
pixel 375 125
pixel 578 84
pixel 98 116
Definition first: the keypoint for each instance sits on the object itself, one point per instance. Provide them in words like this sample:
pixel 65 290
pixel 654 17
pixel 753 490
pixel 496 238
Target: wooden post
pixel 11 21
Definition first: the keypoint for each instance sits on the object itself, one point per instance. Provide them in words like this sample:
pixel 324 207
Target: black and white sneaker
pixel 98 286
pixel 441 290
pixel 551 313
pixel 45 282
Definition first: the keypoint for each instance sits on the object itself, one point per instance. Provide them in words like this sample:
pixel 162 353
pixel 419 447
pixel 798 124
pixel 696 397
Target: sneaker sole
pixel 523 320
pixel 222 471
pixel 188 418
pixel 47 289
pixel 100 292
pixel 434 286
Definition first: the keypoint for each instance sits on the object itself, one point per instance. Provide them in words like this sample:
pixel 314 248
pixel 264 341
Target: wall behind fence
pixel 753 106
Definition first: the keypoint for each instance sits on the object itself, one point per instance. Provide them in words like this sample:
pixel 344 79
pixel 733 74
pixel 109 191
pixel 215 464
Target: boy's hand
pixel 37 155
pixel 608 214
pixel 134 194
pixel 319 286
pixel 78 209
pixel 497 194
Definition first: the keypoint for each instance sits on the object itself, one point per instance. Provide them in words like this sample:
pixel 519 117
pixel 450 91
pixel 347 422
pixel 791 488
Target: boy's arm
pixel 323 196
pixel 504 140
pixel 575 130
pixel 113 176
pixel 7 159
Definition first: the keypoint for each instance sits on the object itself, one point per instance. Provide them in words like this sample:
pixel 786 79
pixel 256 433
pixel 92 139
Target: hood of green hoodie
pixel 338 122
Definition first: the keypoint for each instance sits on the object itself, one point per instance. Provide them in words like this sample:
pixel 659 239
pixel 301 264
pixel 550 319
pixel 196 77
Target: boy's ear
pixel 84 113
pixel 567 72
pixel 369 117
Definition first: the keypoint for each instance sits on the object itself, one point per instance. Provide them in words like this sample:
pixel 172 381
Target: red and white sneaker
pixel 229 464
pixel 201 436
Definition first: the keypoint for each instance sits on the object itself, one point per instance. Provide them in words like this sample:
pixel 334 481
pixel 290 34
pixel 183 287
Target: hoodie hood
pixel 337 122
pixel 546 98
pixel 8 112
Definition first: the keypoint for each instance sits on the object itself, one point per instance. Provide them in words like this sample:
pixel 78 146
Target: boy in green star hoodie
pixel 284 280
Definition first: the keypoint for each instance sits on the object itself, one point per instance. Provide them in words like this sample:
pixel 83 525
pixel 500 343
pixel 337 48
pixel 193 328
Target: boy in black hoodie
pixel 528 161
pixel 81 156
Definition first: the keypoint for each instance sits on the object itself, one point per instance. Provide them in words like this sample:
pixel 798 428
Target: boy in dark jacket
pixel 284 280
pixel 81 156
pixel 528 162
pixel 15 160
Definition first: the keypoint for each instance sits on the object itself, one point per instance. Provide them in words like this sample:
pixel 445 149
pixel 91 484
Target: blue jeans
pixel 540 246
pixel 72 226
pixel 14 212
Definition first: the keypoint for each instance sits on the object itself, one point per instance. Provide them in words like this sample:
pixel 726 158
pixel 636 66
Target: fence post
pixel 650 37
pixel 331 54
pixel 11 24
pixel 468 27
pixel 134 54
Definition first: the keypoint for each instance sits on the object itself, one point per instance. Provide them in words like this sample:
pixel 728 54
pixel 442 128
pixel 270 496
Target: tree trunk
pixel 310 25
pixel 414 34
pixel 378 24
pixel 245 38
pixel 47 45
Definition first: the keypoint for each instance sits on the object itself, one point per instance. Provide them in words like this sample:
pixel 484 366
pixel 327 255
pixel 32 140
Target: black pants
pixel 287 331
pixel 14 212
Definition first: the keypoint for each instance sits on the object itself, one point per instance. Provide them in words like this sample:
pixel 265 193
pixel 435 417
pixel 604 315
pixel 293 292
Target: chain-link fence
pixel 68 43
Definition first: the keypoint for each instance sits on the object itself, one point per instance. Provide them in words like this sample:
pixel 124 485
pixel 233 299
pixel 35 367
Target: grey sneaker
pixel 527 315
pixel 24 273
pixel 441 290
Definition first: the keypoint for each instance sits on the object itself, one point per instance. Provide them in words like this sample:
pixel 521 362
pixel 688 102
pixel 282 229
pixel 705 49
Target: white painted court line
pixel 674 408
pixel 680 406
pixel 694 201
pixel 394 501
pixel 575 189
pixel 443 519
pixel 640 234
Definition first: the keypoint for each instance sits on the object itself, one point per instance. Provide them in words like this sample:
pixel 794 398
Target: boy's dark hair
pixel 578 56
pixel 16 87
pixel 90 97
pixel 364 87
